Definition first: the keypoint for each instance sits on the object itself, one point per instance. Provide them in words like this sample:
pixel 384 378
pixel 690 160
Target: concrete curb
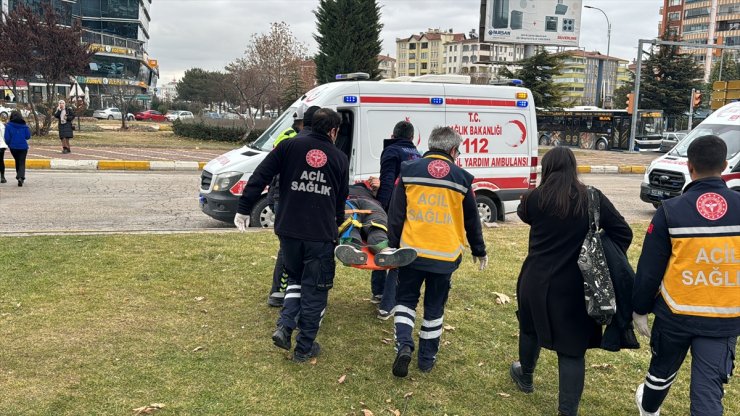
pixel 176 165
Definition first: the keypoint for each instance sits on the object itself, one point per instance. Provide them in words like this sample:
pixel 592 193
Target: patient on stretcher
pixel 363 237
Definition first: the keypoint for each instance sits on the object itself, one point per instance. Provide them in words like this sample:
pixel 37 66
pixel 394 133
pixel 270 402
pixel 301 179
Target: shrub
pixel 202 131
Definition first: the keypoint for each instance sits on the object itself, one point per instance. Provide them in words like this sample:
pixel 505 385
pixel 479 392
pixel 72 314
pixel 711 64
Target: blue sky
pixel 211 33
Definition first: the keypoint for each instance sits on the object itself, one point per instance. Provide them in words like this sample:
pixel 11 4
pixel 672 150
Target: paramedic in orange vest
pixel 433 211
pixel 689 277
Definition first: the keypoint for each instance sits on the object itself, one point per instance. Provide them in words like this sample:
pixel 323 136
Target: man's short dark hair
pixel 707 154
pixel 324 120
pixel 403 130
pixel 308 115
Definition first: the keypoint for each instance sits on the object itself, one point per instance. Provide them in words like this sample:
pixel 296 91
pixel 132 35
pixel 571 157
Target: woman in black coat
pixel 65 116
pixel 552 310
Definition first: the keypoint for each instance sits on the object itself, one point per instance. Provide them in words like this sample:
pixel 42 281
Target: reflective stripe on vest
pixel 703 274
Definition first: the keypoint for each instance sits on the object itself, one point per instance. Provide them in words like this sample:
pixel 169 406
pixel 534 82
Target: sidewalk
pixel 168 159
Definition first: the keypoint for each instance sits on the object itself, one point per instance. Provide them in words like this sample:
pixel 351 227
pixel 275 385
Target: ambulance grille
pixel 667 180
pixel 205 180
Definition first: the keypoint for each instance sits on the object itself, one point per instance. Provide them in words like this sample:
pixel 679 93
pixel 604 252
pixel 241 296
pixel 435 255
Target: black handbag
pixel 598 289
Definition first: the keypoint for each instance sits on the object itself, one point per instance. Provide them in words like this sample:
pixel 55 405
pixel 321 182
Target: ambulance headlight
pixel 224 181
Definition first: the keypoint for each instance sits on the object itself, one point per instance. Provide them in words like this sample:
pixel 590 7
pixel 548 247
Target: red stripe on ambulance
pixel 482 103
pixel 501 183
pixel 395 100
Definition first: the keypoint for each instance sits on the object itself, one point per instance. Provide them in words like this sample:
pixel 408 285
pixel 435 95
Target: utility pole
pixel 691 109
pixel 710 40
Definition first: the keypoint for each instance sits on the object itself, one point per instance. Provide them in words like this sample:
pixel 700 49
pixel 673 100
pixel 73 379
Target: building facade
pixel 387 66
pixel 590 78
pixel 424 53
pixel 671 21
pixel 118 32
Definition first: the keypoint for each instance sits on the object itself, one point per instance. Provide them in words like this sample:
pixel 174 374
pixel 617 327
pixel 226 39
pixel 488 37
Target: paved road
pixel 123 153
pixel 95 201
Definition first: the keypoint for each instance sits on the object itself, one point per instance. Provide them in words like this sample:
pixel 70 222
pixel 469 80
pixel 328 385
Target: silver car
pixel 111 113
pixel 670 140
pixel 173 115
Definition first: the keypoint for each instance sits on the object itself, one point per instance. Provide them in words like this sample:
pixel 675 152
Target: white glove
pixel 242 222
pixel 641 324
pixel 483 262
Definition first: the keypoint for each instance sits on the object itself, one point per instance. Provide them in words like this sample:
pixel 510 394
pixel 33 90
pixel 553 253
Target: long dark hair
pixel 16 117
pixel 561 193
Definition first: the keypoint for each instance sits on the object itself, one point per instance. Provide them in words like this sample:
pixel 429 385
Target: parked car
pixel 230 116
pixel 211 114
pixel 671 139
pixel 111 113
pixel 173 115
pixel 150 115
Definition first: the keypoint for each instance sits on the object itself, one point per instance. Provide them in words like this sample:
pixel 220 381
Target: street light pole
pixel 608 47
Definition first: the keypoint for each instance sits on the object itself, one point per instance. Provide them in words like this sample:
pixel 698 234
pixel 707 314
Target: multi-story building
pixel 590 78
pixel 671 21
pixel 118 31
pixel 387 66
pixel 477 59
pixel 423 53
pixel 167 91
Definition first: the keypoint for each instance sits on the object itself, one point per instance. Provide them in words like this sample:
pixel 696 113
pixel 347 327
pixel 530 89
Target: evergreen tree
pixel 294 88
pixel 667 79
pixel 537 73
pixel 348 38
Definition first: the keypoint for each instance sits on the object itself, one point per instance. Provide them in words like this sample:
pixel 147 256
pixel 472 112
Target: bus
pixel 595 128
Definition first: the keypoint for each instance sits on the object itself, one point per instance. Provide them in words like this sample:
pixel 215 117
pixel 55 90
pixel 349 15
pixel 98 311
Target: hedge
pixel 202 131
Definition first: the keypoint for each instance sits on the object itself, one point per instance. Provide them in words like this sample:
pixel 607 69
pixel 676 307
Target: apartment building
pixel 387 66
pixel 424 53
pixel 590 78
pixel 471 57
pixel 671 18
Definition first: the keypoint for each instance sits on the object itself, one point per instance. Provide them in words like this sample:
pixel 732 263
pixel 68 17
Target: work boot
pixel 638 401
pixel 376 299
pixel 523 380
pixel 384 315
pixel 276 299
pixel 302 358
pixel 426 366
pixel 2 179
pixel 401 363
pixel 398 257
pixel 349 255
pixel 20 181
pixel 281 337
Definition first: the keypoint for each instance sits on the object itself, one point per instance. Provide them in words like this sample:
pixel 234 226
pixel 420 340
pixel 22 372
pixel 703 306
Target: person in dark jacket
pixel 17 135
pixel 552 309
pixel 396 150
pixel 434 212
pixel 314 180
pixel 688 275
pixel 65 116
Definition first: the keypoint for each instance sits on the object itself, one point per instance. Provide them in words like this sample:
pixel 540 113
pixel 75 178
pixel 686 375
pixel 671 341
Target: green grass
pixel 105 324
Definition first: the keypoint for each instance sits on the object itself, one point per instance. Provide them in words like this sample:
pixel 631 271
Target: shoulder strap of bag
pixel 593 208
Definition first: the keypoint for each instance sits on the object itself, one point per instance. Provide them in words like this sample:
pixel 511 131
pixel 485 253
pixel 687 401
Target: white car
pixel 173 115
pixel 111 113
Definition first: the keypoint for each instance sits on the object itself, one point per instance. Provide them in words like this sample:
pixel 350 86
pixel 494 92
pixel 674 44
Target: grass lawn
pixel 105 324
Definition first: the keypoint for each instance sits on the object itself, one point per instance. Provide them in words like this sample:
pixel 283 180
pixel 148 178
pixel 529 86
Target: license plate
pixel 657 192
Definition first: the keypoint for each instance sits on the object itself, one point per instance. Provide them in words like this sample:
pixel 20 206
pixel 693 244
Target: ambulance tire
pixel 262 215
pixel 487 209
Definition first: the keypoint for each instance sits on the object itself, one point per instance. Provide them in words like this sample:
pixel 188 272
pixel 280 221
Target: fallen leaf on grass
pixel 200 298
pixel 468 308
pixel 386 341
pixel 198 348
pixel 367 412
pixel 446 343
pixel 394 412
pixel 273 257
pixel 504 395
pixel 147 410
pixel 313 361
pixel 480 364
pixel 501 298
pixel 385 331
pixel 449 328
pixel 602 366
pixel 407 395
pixel 388 400
pixel 254 264
pixel 341 379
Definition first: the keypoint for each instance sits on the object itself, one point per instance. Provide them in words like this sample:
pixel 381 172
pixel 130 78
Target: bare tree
pixel 123 96
pixel 16 62
pixel 251 86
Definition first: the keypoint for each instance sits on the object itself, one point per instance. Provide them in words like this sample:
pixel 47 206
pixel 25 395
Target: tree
pixel 123 96
pixel 294 89
pixel 194 86
pixel 348 38
pixel 537 73
pixel 16 63
pixel 620 95
pixel 667 79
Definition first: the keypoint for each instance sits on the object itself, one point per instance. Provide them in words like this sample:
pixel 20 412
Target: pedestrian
pixel 550 295
pixel 16 137
pixel 314 176
pixel 396 150
pixel 3 147
pixel 688 275
pixel 65 116
pixel 433 211
pixel 301 123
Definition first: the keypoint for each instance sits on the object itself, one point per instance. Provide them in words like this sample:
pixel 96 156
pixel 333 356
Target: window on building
pixel 434 65
pixel 466 48
pixel 729 9
pixel 412 56
pixel 449 59
pixel 412 66
pixel 673 16
pixel 455 48
pixel 698 12
pixel 435 44
pixel 424 45
pixel 425 55
pixel 465 59
pixel 424 65
pixel 728 25
pixel 674 3
pixel 698 27
pixel 455 59
pixel 473 48
pixel 435 55
pixel 412 46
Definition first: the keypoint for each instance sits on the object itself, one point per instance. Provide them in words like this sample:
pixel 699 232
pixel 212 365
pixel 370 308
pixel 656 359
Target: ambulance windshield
pixel 729 133
pixel 265 141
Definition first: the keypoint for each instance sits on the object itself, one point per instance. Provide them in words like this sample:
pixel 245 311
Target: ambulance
pixel 669 174
pixel 498 126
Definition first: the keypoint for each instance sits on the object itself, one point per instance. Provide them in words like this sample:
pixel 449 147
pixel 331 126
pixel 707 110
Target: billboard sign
pixel 532 22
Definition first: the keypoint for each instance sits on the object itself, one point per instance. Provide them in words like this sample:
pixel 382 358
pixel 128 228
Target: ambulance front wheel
pixel 487 209
pixel 262 215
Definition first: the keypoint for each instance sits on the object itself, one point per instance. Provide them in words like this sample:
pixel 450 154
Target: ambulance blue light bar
pixel 354 76
pixel 437 100
pixel 517 82
pixel 350 99
pixel 522 104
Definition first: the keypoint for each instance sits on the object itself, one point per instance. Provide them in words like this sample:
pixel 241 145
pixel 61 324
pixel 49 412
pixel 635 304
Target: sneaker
pixel 302 358
pixel 281 337
pixel 384 315
pixel 350 255
pixel 398 257
pixel 276 299
pixel 523 381
pixel 376 299
pixel 638 401
pixel 426 366
pixel 401 363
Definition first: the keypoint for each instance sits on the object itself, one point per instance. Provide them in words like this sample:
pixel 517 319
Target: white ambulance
pixel 669 174
pixel 497 123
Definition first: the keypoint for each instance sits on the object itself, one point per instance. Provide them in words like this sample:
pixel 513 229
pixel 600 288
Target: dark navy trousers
pixel 712 362
pixel 385 282
pixel 279 276
pixel 310 269
pixel 437 288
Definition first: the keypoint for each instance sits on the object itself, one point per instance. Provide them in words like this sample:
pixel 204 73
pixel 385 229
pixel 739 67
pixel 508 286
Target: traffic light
pixel 696 98
pixel 630 103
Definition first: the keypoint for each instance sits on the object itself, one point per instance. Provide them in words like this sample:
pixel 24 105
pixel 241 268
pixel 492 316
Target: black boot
pixel 524 381
pixel 281 337
pixel 2 179
pixel 20 182
pixel 302 358
pixel 401 363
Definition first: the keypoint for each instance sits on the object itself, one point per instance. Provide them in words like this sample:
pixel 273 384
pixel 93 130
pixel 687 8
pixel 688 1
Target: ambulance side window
pixel 346 129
